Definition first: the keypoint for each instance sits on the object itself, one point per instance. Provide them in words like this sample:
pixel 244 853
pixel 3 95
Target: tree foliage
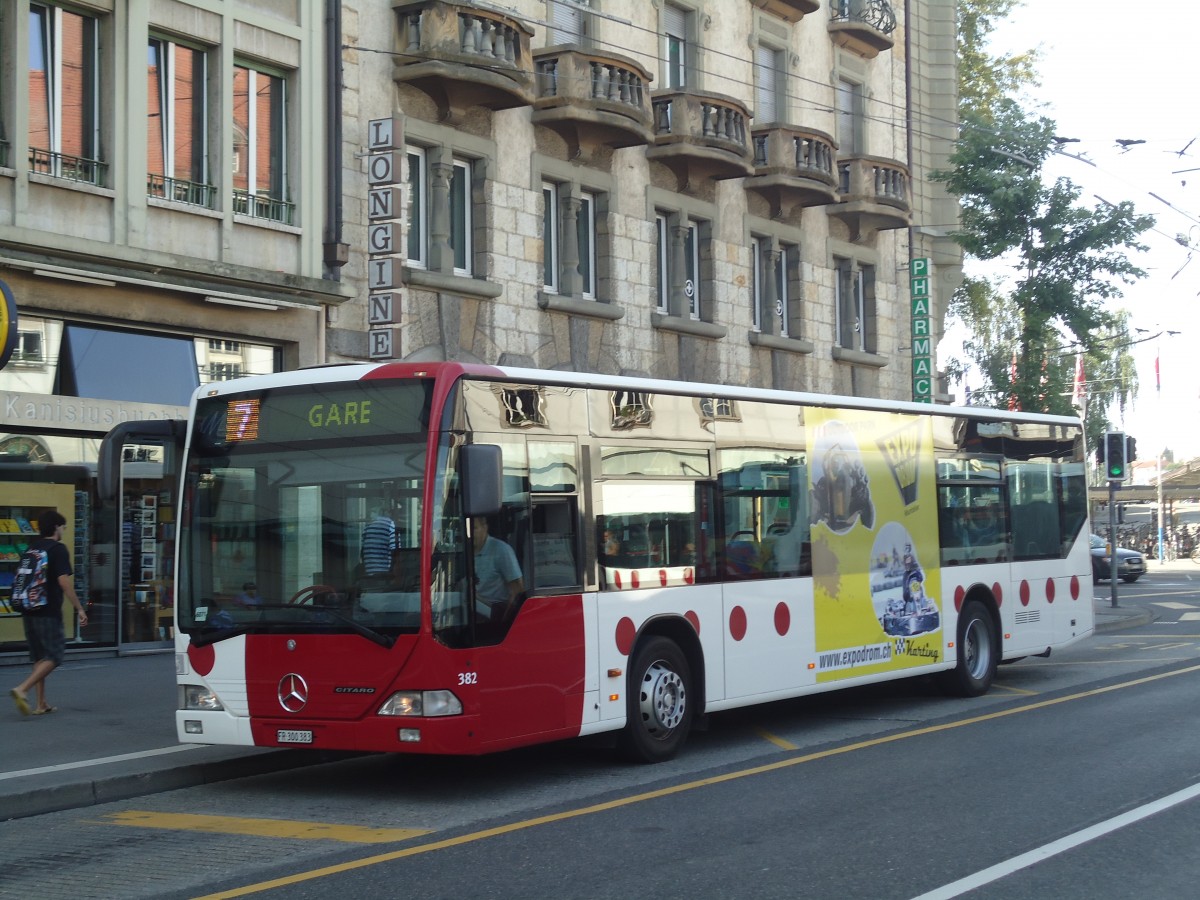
pixel 1061 262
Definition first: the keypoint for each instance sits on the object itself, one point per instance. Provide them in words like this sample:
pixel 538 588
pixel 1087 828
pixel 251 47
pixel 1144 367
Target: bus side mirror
pixel 481 467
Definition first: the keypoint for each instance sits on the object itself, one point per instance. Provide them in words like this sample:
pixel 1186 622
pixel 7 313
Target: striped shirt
pixel 378 542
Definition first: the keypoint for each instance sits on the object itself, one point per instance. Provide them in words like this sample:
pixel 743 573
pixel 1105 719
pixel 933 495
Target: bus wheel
pixel 977 656
pixel 658 707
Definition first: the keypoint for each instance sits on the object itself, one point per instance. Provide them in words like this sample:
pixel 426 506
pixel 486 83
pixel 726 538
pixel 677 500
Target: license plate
pixel 294 737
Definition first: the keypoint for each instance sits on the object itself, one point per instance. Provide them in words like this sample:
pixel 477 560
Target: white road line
pixel 1174 604
pixel 62 767
pixel 1070 842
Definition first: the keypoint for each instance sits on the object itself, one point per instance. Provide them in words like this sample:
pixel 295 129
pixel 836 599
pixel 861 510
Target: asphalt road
pixel 1074 777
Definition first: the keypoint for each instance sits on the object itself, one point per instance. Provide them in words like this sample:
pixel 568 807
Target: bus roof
pixel 333 374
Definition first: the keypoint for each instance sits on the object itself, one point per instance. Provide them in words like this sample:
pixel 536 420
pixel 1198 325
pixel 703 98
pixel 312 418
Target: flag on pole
pixel 1078 395
pixel 1013 402
pixel 1157 376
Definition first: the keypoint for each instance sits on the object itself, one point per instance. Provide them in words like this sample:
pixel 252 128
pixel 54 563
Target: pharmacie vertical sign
pixel 385 147
pixel 920 271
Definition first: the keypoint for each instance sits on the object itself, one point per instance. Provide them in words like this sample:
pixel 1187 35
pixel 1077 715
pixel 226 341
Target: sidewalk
pixel 113 736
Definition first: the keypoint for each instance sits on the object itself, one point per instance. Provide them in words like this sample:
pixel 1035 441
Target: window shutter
pixel 675 21
pixel 766 85
pixel 567 21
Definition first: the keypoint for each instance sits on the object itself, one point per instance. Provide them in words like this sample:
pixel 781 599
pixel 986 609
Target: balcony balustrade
pixel 592 98
pixel 193 193
pixel 793 169
pixel 700 135
pixel 862 26
pixel 463 56
pixel 874 195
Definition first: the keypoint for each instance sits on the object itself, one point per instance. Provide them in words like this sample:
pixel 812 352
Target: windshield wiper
pixel 357 627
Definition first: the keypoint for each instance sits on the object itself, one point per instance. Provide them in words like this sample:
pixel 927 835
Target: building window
pixel 29 347
pixel 854 290
pixel 569 230
pixel 260 174
pixel 773 291
pixel 677 29
pixel 850 118
pixel 177 124
pixel 568 22
pixel 64 94
pixel 768 85
pixel 418 208
pixel 460 216
pixel 680 275
pixel 440 214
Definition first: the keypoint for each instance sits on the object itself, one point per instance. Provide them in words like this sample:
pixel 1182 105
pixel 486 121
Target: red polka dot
pixel 1074 587
pixel 783 619
pixel 689 576
pixel 625 635
pixel 737 623
pixel 617 579
pixel 960 594
pixel 1049 590
pixel 998 593
pixel 662 577
pixel 691 616
pixel 202 658
pixel 634 581
pixel 1024 592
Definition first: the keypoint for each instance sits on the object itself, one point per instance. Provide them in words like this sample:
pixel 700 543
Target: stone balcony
pixel 700 135
pixel 463 56
pixel 862 26
pixel 789 10
pixel 592 99
pixel 793 169
pixel 874 195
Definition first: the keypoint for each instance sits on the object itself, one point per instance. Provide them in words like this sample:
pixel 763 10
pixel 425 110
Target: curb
pixel 36 801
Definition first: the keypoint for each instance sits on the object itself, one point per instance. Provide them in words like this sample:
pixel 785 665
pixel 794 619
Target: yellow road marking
pixel 675 789
pixel 776 740
pixel 273 828
pixel 1014 690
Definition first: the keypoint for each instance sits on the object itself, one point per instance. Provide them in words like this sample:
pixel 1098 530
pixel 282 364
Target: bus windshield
pixel 303 512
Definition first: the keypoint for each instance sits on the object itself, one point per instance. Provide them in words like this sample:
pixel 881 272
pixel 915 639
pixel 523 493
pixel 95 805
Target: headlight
pixel 199 697
pixel 421 703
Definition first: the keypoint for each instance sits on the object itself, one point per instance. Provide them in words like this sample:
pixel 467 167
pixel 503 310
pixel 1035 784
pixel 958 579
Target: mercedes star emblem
pixel 293 692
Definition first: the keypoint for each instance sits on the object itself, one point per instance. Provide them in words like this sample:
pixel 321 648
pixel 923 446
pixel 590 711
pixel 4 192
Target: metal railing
pixel 876 13
pixel 179 190
pixel 65 166
pixel 261 206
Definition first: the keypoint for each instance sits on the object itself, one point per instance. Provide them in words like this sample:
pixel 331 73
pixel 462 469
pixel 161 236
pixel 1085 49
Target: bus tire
pixel 659 702
pixel 977 654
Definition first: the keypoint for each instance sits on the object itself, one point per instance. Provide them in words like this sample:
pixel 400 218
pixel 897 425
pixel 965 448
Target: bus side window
pixel 555 555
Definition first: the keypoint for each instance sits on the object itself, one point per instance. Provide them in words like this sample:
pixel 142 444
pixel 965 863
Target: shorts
pixel 46 637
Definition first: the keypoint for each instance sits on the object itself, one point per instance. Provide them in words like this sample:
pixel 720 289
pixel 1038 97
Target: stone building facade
pixel 727 191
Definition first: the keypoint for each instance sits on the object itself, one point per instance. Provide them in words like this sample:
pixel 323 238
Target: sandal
pixel 21 701
pixel 43 711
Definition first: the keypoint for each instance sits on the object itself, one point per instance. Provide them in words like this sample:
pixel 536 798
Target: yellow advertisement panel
pixel 874 542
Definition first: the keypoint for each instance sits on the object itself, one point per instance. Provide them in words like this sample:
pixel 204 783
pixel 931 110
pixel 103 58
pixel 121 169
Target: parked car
pixel 1131 565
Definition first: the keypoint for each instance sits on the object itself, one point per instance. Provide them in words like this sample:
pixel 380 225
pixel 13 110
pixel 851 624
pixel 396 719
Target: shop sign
pixel 920 273
pixel 385 145
pixel 20 410
pixel 8 324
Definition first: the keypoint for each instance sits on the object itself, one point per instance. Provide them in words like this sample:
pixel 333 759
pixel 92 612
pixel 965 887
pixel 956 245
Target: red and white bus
pixel 680 549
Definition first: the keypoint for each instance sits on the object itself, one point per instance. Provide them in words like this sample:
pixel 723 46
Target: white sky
pixel 1111 70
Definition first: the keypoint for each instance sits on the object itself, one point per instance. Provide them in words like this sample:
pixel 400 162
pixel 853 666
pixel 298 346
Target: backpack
pixel 29 584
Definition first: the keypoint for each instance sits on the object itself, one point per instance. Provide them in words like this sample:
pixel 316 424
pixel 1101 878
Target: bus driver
pixel 498 580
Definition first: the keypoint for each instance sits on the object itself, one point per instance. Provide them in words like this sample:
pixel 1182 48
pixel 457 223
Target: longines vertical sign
pixel 385 146
pixel 920 271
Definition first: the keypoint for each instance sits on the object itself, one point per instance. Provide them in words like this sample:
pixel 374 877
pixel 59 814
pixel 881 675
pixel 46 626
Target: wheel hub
pixel 663 699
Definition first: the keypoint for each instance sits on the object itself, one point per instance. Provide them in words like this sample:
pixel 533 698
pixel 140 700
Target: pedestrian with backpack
pixel 48 580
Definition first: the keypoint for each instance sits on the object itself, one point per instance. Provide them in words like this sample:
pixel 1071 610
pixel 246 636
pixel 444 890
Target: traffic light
pixel 1130 449
pixel 1114 455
